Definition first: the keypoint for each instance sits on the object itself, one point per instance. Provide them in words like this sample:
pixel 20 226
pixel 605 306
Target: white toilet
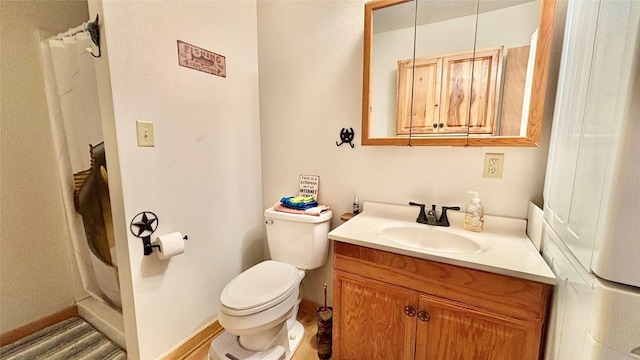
pixel 261 304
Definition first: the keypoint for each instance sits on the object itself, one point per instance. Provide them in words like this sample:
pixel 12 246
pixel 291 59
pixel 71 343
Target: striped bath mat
pixel 70 339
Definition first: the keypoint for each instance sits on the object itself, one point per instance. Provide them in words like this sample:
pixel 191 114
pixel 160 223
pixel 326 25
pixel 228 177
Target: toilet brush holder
pixel 325 328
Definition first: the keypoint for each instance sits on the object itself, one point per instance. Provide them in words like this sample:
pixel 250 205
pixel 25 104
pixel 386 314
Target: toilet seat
pixel 260 287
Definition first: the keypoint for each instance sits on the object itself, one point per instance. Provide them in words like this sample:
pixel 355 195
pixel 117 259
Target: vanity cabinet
pixel 452 94
pixel 373 323
pixel 456 331
pixel 391 306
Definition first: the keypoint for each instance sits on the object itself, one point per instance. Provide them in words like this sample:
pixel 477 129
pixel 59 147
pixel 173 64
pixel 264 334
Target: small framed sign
pixel 309 186
pixel 196 58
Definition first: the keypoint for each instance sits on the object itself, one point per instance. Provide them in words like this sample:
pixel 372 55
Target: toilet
pixel 260 305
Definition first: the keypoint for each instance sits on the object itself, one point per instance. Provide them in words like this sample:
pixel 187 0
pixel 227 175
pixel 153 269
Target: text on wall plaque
pixel 196 58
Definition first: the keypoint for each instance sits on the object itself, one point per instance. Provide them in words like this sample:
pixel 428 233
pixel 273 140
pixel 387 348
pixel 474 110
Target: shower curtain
pixel 74 111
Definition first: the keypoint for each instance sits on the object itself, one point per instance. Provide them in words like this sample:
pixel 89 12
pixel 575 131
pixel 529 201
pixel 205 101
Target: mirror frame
pixel 536 104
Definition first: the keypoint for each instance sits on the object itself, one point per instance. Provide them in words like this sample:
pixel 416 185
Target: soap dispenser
pixel 474 217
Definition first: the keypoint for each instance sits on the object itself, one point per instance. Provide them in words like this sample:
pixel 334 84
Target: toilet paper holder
pixel 146 223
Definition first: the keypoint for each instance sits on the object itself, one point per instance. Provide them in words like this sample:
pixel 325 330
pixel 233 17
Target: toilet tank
pixel 297 239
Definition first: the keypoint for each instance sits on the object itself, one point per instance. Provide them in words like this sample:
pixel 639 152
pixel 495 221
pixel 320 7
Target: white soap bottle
pixel 474 217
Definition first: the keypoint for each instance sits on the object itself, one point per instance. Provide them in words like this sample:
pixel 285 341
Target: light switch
pixel 145 133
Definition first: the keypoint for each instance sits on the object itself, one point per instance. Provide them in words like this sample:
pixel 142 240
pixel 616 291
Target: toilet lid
pixel 267 282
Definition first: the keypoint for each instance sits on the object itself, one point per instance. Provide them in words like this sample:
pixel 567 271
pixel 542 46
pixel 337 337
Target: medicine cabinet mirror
pixel 455 72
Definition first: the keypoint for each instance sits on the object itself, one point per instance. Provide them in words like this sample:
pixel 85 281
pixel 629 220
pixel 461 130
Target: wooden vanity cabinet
pixel 391 306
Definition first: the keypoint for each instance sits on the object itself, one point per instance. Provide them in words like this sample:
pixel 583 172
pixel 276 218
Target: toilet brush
pixel 325 324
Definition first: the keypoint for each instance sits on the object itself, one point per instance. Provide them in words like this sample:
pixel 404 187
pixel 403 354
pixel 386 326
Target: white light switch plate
pixel 144 130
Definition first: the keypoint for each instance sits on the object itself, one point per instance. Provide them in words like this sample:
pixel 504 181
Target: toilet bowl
pixel 261 304
pixel 260 297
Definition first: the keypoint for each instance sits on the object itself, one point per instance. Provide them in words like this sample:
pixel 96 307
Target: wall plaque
pixel 309 185
pixel 196 58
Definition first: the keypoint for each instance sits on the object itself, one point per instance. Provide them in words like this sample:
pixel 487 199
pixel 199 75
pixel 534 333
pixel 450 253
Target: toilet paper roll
pixel 171 244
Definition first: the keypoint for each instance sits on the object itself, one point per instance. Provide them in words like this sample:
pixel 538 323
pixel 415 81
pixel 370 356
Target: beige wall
pixel 310 87
pixel 36 276
pixel 203 177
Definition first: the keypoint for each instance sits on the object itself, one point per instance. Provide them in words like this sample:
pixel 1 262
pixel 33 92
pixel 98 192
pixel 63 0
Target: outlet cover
pixel 493 164
pixel 144 131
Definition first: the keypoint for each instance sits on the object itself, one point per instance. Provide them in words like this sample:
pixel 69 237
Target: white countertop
pixel 506 248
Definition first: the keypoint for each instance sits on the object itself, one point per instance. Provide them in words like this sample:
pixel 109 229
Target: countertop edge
pixel 447 260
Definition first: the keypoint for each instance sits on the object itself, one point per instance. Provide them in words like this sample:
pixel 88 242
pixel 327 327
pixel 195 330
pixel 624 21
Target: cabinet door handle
pixel 410 311
pixel 423 315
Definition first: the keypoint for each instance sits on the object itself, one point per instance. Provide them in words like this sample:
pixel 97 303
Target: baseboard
pixel 104 318
pixel 23 331
pixel 309 307
pixel 194 342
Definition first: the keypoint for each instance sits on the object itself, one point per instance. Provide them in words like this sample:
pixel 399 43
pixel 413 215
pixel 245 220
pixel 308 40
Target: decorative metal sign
pixel 196 58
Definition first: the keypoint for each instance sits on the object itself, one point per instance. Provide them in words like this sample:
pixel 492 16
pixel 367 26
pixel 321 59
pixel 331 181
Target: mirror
pixel 474 74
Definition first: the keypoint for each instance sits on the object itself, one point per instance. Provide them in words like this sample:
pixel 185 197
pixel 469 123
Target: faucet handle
pixel 445 208
pixel 422 217
pixel 444 220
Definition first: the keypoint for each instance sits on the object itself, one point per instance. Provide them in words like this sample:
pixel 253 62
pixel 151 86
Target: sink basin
pixel 428 238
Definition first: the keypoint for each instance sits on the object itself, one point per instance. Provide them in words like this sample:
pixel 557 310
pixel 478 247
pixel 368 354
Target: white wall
pixel 36 274
pixel 203 177
pixel 310 87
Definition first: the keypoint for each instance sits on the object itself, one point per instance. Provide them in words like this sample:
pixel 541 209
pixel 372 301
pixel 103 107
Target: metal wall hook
pixel 346 136
pixel 94 31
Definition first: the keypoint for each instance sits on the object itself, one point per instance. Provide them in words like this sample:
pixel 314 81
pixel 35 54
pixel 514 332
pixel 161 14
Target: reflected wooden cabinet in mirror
pixel 473 74
pixel 442 104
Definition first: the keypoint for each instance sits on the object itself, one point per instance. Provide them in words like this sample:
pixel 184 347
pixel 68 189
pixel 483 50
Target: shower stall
pixel 74 111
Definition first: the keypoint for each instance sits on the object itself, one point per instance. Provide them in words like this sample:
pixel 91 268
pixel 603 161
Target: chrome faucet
pixel 429 217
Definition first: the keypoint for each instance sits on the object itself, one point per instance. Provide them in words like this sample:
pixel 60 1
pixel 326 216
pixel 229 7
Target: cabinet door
pixel 420 118
pixel 370 320
pixel 469 96
pixel 590 200
pixel 447 330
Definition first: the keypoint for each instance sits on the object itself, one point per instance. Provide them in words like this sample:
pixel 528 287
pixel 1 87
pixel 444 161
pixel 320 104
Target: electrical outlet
pixel 493 164
pixel 144 130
